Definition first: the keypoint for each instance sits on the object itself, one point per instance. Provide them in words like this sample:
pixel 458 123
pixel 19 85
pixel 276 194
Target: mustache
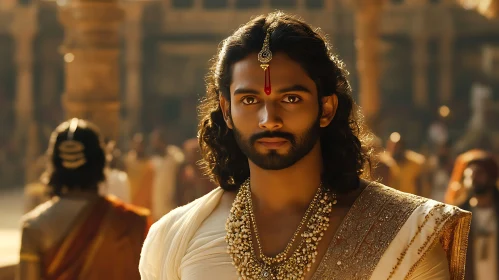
pixel 272 134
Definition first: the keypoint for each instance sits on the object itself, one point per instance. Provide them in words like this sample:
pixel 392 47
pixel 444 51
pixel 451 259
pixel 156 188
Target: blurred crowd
pixel 152 174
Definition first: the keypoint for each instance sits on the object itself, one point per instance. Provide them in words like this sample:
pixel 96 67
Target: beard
pixel 301 145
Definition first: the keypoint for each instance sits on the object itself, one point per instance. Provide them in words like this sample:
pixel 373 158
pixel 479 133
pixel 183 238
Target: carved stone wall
pixel 91 51
pixel 92 46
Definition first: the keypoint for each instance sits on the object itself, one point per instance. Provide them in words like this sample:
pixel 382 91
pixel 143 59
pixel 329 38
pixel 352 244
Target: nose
pixel 269 118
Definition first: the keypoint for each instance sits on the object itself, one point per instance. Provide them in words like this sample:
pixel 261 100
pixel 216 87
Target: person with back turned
pixel 79 234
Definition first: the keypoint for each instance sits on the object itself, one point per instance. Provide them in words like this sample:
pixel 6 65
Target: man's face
pixel 274 131
pixel 477 178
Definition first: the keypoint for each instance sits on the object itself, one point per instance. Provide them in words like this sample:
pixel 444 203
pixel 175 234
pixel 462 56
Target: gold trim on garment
pixel 451 232
pixel 366 232
pixel 427 217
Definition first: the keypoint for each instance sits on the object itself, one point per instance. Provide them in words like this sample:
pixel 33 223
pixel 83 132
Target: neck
pixel 290 188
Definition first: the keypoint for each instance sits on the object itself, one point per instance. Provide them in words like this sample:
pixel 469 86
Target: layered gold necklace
pixel 241 227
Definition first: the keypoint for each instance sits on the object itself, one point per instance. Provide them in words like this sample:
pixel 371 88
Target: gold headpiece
pixel 265 56
pixel 71 151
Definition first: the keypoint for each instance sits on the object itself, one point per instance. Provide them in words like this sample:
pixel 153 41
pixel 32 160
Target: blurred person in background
pixel 478 134
pixel 407 168
pixel 35 191
pixel 476 175
pixel 79 234
pixel 140 170
pixel 440 167
pixel 457 193
pixel 117 182
pixel 381 167
pixel 438 131
pixel 193 183
pixel 166 159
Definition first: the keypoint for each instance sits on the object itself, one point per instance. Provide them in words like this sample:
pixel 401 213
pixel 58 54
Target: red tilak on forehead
pixel 267 88
pixel 265 56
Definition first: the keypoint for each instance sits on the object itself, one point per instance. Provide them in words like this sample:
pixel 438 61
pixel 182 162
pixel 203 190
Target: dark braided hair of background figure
pixel 346 156
pixel 86 177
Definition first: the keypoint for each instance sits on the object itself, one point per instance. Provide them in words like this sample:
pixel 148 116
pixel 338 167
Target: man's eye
pixel 292 99
pixel 248 100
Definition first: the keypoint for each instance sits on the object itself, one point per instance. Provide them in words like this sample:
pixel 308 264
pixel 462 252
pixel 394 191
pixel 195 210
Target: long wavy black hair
pixel 344 142
pixel 86 177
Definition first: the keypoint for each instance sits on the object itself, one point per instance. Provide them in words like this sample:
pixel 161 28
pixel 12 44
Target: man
pixel 166 160
pixel 192 183
pixel 140 170
pixel 440 168
pixel 456 193
pixel 406 167
pixel 480 183
pixel 117 182
pixel 279 134
pixel 479 133
pixel 79 234
pixel 381 170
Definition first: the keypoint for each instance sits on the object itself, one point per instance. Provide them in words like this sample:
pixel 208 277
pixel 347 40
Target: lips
pixel 272 143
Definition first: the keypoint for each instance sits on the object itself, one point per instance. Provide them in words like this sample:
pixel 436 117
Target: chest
pixel 276 234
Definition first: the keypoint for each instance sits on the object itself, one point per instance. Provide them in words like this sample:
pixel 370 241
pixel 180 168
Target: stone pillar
pixel 445 55
pixel 133 65
pixel 367 32
pixel 23 29
pixel 49 75
pixel 91 51
pixel 420 61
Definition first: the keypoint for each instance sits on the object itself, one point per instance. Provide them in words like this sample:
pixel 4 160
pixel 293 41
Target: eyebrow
pixel 292 88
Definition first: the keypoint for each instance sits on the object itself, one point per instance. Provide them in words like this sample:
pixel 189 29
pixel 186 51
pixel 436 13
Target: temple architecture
pixel 131 65
pixel 489 8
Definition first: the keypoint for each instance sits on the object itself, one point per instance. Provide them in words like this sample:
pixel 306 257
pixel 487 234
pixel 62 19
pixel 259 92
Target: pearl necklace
pixel 241 223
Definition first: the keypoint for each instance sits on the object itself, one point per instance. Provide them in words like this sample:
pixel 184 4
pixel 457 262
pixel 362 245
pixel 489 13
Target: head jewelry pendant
pixel 265 56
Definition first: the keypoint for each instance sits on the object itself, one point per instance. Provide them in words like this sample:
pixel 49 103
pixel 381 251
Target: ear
pixel 329 106
pixel 225 106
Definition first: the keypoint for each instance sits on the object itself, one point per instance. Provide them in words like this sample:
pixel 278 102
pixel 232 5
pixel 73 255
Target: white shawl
pixel 159 258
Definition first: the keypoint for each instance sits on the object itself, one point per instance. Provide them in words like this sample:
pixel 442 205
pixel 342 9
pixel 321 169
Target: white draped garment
pixel 397 236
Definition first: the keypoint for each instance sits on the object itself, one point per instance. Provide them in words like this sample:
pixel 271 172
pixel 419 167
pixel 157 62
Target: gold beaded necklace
pixel 241 223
